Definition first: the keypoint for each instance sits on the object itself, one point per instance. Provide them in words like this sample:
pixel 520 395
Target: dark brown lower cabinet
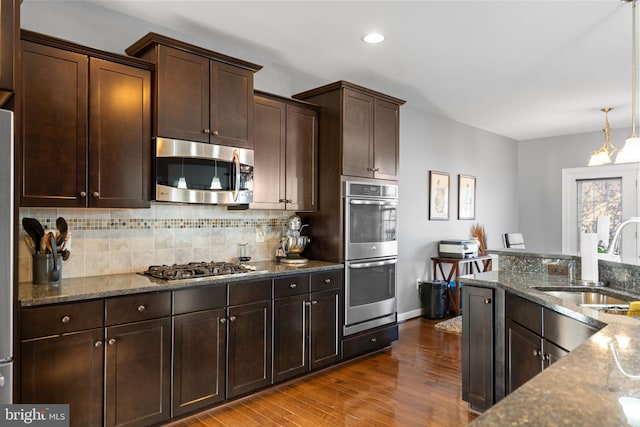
pixel 248 348
pixel 138 373
pixel 325 326
pixel 290 337
pixel 524 355
pixel 199 341
pixel 65 369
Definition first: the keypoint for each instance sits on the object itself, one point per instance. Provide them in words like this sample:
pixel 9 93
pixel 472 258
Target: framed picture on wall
pixel 439 184
pixel 466 197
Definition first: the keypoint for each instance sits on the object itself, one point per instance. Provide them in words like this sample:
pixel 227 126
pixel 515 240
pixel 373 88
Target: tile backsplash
pixel 111 241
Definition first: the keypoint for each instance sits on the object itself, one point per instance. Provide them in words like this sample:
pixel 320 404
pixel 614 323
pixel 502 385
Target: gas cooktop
pixel 197 270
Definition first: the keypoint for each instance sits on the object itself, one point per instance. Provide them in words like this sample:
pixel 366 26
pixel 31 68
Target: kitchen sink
pixel 608 301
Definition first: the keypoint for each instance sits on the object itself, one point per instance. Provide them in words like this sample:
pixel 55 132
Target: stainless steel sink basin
pixel 589 298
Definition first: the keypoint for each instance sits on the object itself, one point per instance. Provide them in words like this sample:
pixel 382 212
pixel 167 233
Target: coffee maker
pixel 292 244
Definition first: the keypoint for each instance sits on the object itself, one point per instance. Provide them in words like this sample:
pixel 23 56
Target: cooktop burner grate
pixel 197 270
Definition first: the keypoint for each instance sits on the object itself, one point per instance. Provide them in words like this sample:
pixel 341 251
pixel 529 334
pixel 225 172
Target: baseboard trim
pixel 409 315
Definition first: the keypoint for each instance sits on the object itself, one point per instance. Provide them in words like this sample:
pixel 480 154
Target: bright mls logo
pixel 34 415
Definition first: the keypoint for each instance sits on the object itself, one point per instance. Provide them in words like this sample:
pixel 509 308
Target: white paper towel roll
pixel 602 228
pixel 589 254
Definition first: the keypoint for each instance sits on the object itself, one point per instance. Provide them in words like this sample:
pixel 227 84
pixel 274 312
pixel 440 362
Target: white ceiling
pixel 522 69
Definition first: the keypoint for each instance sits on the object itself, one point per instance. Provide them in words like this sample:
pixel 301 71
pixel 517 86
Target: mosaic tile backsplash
pixel 112 241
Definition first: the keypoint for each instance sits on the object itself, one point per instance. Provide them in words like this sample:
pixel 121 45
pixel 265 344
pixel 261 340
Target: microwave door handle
pixel 373 202
pixel 236 162
pixel 374 264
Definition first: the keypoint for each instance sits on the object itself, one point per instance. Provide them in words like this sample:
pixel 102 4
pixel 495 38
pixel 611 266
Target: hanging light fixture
pixel 602 156
pixel 631 150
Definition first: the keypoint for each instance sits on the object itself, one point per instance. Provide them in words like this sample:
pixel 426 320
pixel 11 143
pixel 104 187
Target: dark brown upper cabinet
pixel 201 95
pixel 359 130
pixel 9 36
pixel 285 171
pixel 86 126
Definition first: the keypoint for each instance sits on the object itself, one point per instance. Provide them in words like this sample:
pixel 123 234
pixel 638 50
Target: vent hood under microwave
pixel 195 172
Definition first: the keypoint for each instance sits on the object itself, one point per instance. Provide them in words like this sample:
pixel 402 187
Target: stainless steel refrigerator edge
pixel 6 256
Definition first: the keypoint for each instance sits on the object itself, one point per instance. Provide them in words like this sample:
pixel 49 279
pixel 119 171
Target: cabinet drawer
pixel 250 291
pixel 58 319
pixel 564 331
pixel 291 285
pixel 198 299
pixel 369 341
pixel 138 307
pixel 326 280
pixel 524 312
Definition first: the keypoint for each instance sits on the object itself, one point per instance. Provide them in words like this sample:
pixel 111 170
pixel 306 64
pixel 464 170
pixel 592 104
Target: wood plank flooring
pixel 416 383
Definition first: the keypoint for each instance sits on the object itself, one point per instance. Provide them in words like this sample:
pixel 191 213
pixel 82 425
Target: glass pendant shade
pixel 599 157
pixel 630 152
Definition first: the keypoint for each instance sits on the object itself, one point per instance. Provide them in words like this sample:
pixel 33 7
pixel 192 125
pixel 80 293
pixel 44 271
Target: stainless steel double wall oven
pixel 371 254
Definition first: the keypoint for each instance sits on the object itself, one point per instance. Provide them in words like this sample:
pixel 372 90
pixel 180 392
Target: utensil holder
pixel 43 267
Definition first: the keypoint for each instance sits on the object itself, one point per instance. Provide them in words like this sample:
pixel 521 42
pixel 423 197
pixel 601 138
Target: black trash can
pixel 435 299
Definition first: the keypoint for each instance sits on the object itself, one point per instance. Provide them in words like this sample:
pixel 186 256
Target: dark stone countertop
pixel 583 388
pixel 84 288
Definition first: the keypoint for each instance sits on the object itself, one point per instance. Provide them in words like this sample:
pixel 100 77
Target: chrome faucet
pixel 614 248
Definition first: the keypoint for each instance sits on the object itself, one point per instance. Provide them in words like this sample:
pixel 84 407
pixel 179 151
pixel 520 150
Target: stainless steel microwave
pixel 195 172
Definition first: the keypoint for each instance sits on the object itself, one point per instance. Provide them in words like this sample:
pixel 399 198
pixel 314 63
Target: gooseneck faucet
pixel 614 246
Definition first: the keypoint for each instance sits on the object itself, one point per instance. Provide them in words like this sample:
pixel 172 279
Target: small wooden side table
pixel 478 264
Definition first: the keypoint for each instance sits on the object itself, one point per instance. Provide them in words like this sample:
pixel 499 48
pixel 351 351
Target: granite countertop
pixel 83 288
pixel 583 388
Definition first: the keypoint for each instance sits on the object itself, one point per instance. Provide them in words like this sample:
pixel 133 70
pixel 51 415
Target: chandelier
pixel 602 155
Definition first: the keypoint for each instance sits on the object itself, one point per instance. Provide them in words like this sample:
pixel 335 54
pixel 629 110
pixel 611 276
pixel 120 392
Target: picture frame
pixel 466 197
pixel 439 187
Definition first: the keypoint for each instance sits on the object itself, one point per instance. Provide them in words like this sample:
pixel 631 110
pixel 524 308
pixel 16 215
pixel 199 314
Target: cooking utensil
pixel 65 254
pixel 55 273
pixel 63 228
pixel 30 245
pixel 33 227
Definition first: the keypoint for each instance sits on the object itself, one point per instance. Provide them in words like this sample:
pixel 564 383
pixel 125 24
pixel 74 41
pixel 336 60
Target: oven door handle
pixel 374 264
pixel 373 202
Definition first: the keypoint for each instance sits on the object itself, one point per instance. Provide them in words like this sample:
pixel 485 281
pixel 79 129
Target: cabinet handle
pixel 97 344
pixel 83 193
pixel 487 301
pixel 141 308
pixel 215 132
pixel 112 341
pixel 374 340
pixel 293 286
pixel 65 319
pixel 223 320
pixel 232 318
pixel 327 281
pixel 206 130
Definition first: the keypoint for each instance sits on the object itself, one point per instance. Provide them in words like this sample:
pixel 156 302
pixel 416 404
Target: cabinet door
pixel 269 152
pixel 386 143
pixel 552 353
pixel 477 346
pixel 54 126
pixel 198 360
pixel 138 373
pixel 182 95
pixel 300 164
pixel 290 337
pixel 524 355
pixel 248 348
pixel 65 369
pixel 8 37
pixel 231 105
pixel 357 136
pixel 119 135
pixel 326 326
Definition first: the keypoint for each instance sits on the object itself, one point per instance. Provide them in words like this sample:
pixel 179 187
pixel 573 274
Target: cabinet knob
pixel 97 344
pixel 96 194
pixel 141 308
pixel 374 340
pixel 327 281
pixel 215 132
pixel 232 318
pixel 546 357
pixel 487 301
pixel 223 320
pixel 282 200
pixel 369 169
pixel 112 341
pixel 206 130
pixel 314 302
pixel 293 286
pixel 65 319
pixel 83 193
pixel 537 353
pixel 376 169
pixel 307 303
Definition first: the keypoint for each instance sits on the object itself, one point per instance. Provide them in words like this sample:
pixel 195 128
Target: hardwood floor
pixel 416 383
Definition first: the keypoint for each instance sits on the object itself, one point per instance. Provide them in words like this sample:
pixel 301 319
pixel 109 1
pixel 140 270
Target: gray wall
pixel 540 164
pixel 427 142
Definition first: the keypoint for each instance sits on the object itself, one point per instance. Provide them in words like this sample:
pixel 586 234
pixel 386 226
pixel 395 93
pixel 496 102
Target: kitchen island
pixel 584 387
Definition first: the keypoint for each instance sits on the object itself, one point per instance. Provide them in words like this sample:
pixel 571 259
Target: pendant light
pixel 602 156
pixel 631 150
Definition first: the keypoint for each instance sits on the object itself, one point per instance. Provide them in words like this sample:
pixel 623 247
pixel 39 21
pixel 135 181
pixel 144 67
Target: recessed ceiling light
pixel 373 38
